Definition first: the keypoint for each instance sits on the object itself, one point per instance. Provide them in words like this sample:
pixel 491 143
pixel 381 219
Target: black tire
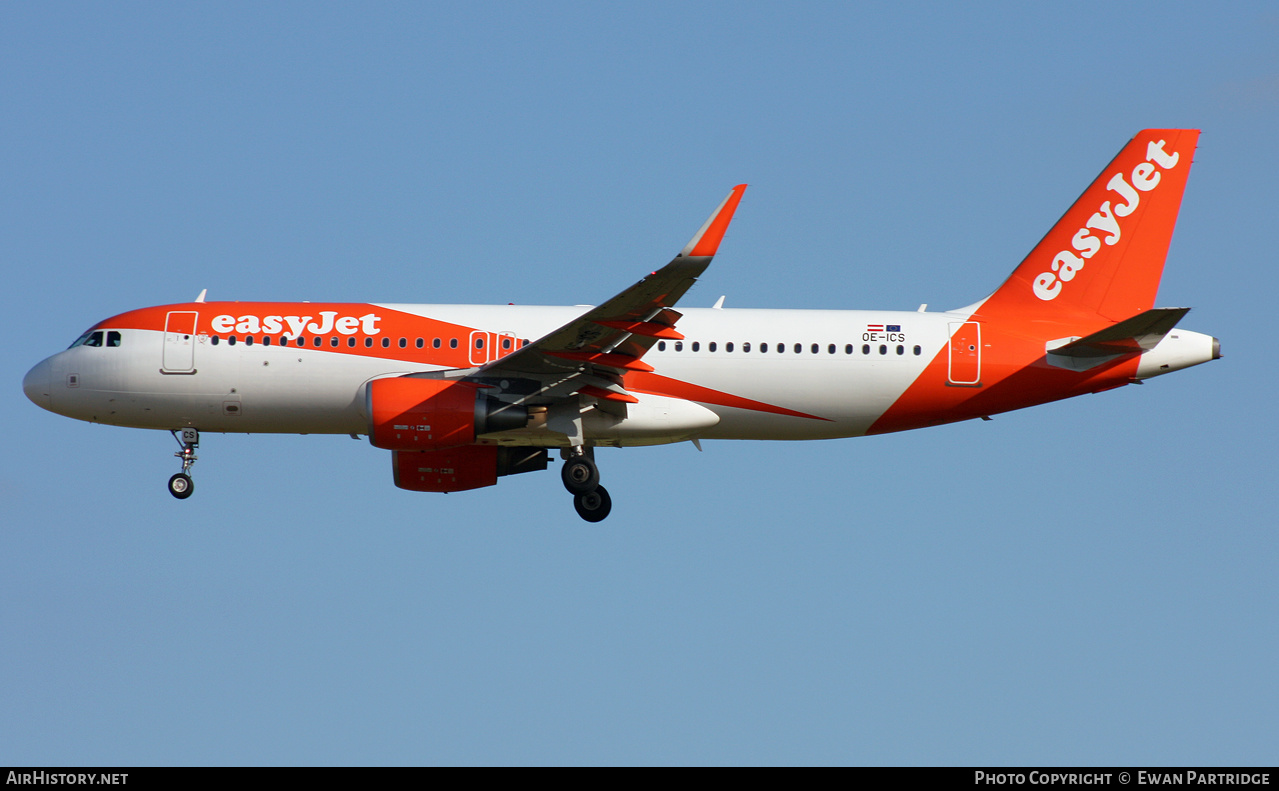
pixel 181 486
pixel 580 475
pixel 593 506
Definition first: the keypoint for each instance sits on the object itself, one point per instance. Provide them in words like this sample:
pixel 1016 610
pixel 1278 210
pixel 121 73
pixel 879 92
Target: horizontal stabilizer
pixel 1135 335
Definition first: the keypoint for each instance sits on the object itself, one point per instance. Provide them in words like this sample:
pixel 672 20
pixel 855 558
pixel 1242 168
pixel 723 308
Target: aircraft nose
pixel 36 384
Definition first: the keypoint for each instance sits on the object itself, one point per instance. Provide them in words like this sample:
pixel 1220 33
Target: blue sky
pixel 1089 582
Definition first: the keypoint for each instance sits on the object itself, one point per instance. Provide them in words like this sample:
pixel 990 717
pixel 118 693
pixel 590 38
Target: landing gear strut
pixel 582 479
pixel 181 485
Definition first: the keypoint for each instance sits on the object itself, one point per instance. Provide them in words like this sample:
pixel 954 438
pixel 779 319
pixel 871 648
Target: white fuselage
pixel 841 379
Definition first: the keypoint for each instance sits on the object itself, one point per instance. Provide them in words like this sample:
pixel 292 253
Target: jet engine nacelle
pixel 406 413
pixel 459 469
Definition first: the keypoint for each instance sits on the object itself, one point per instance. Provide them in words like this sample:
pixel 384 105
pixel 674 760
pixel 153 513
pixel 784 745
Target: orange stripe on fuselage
pixel 656 384
pixel 341 321
pixel 1014 374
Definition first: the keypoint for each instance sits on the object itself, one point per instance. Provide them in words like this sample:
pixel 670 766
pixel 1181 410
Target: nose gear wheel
pixel 180 485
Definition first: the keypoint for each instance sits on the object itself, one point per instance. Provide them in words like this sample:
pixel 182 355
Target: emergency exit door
pixel 179 342
pixel 965 354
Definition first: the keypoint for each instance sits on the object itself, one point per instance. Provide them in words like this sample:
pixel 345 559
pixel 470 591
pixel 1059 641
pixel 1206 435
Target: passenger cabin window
pixel 368 343
pixel 435 343
pixel 661 346
pixel 711 346
pixel 317 341
pixel 452 343
pixel 746 347
pixel 386 343
pixel 763 347
pixel 248 340
pixel 728 347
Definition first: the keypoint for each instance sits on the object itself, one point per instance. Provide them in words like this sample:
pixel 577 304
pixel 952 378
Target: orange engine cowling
pixel 459 469
pixel 406 413
pixel 449 470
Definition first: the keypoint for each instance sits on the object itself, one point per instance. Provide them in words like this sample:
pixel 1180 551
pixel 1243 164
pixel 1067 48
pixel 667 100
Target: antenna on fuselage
pixel 200 298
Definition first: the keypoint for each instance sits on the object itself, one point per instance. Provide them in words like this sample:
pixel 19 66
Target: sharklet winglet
pixel 706 241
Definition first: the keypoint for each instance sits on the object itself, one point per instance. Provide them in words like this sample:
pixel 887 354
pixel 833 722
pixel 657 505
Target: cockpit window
pixel 95 338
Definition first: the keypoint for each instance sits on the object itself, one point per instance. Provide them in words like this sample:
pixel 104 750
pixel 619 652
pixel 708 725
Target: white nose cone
pixel 36 384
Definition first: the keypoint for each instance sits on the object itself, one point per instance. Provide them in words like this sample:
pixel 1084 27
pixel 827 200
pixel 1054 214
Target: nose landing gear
pixel 180 485
pixel 582 479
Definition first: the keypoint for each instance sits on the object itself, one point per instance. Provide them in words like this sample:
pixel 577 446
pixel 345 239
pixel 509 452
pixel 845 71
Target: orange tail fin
pixel 1105 256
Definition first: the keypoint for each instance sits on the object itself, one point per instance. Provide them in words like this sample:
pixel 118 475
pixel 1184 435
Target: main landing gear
pixel 582 479
pixel 180 485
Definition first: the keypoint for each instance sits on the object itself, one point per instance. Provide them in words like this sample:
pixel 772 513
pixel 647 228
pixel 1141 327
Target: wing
pixel 590 354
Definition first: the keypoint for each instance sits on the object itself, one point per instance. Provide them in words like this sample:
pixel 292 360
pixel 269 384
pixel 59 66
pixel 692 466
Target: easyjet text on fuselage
pixel 329 321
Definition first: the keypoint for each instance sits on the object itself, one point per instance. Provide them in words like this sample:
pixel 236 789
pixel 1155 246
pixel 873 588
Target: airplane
pixel 462 395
